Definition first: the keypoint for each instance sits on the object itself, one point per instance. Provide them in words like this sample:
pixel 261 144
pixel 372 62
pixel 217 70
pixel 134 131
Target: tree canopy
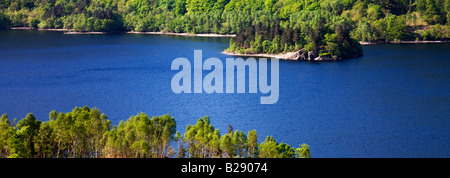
pixel 86 133
pixel 328 27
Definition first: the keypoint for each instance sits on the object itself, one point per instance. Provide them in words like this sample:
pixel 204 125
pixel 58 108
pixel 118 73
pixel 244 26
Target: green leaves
pixel 395 28
pixel 319 31
pixel 286 150
pixel 269 149
pixel 238 17
pixel 17 144
pixel 303 151
pixel 5 21
pixel 141 136
pixel 86 133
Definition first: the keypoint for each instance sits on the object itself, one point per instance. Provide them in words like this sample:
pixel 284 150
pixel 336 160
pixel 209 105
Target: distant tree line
pixel 85 133
pixel 370 20
pixel 328 27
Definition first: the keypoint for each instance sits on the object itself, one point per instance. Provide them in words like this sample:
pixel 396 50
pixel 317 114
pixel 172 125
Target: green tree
pixel 395 28
pixel 267 46
pixel 181 153
pixel 45 141
pixel 432 14
pixel 373 12
pixel 252 144
pixel 257 44
pixel 84 132
pixel 215 144
pixel 30 128
pixel 227 146
pixel 303 151
pixel 286 150
pixel 16 143
pixel 5 22
pixel 180 7
pixel 363 32
pixel 269 149
pixel 276 47
pixel 6 131
pixel 34 23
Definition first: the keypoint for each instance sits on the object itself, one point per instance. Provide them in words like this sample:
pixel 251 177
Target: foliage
pixel 85 133
pixel 5 22
pixel 203 16
pixel 141 136
pixel 262 26
pixel 323 33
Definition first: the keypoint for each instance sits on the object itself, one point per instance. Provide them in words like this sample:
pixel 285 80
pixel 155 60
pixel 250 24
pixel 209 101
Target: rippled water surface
pixel 392 102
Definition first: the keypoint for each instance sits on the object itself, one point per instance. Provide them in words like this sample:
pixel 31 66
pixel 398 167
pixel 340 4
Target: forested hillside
pixel 329 27
pixel 85 133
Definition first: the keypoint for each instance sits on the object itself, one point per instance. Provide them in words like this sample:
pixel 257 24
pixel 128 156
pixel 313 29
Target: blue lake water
pixel 392 102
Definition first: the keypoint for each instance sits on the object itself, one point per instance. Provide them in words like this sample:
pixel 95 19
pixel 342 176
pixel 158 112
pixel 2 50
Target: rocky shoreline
pixel 300 55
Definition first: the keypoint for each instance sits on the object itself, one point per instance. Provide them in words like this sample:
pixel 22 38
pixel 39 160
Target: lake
pixel 392 102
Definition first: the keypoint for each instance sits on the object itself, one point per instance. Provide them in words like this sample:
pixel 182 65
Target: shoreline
pixel 183 34
pixel 41 29
pixel 72 32
pixel 364 43
pixel 261 55
pixel 86 33
pixel 300 55
pixel 303 56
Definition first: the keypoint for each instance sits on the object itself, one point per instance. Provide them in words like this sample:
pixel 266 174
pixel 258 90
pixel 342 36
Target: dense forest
pixel 85 133
pixel 327 27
